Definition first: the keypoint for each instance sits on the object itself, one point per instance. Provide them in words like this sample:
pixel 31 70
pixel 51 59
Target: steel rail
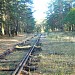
pixel 24 61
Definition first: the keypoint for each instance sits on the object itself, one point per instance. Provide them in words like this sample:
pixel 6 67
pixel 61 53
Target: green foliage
pixel 18 15
pixel 56 15
pixel 70 17
pixel 69 20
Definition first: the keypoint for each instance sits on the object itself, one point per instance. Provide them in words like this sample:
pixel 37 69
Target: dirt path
pixel 9 42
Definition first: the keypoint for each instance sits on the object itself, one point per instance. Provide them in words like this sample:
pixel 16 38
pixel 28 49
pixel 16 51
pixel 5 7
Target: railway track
pixel 25 59
pixel 17 62
pixel 49 62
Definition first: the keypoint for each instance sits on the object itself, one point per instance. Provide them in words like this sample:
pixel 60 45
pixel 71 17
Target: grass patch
pixel 16 55
pixel 57 55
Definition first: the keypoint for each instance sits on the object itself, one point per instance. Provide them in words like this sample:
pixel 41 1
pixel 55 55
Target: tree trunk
pixel 3 29
pixel 16 29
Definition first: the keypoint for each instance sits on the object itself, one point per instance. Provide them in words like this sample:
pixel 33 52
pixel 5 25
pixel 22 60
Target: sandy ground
pixel 9 42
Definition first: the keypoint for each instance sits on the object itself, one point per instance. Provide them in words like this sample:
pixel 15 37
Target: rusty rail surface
pixel 25 59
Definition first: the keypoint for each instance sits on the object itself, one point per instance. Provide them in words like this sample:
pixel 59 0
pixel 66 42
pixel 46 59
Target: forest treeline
pixel 16 16
pixel 60 16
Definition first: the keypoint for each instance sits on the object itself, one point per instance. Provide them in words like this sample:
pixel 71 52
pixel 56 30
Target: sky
pixel 40 7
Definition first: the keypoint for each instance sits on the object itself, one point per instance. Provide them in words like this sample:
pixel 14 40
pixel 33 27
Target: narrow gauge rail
pixel 6 63
pixel 23 62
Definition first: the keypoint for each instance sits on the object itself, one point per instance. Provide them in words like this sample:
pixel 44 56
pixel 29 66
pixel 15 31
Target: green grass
pixel 5 73
pixel 58 55
pixel 16 55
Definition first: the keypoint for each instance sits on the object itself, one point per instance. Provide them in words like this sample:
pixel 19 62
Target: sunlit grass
pixel 57 64
pixel 58 55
